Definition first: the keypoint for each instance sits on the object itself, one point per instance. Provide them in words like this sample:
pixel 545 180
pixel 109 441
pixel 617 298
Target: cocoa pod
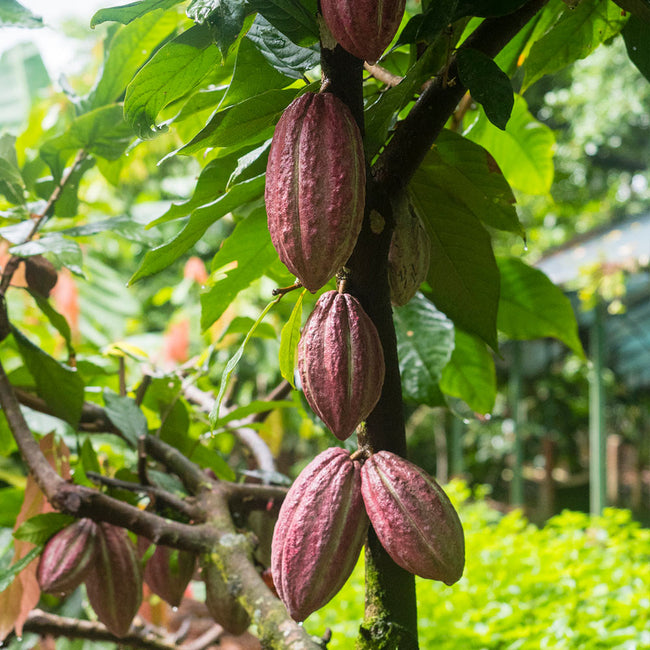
pixel 222 605
pixel 67 557
pixel 413 518
pixel 168 571
pixel 40 274
pixel 340 362
pixel 409 254
pixel 364 28
pixel 319 534
pixel 114 582
pixel 315 187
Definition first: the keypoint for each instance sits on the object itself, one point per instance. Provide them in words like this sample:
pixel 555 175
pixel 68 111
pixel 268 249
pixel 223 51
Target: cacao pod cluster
pixel 104 558
pixel 324 519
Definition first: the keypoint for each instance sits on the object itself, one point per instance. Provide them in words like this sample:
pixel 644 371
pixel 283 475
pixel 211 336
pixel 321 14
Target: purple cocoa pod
pixel 67 557
pixel 364 28
pixel 319 534
pixel 168 571
pixel 114 582
pixel 341 363
pixel 315 187
pixel 413 518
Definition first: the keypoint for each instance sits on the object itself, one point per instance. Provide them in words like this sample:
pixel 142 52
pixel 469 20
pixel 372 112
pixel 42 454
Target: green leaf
pixel 57 320
pixel 59 385
pixel 248 123
pixel 102 132
pixel 463 173
pixel 463 274
pixel 524 151
pixel 531 306
pixel 425 340
pixel 637 43
pixel 295 19
pixel 63 250
pixel 232 364
pixel 7 576
pixel 249 250
pixel 427 26
pixel 126 415
pixel 638 8
pixel 12 185
pixel 283 54
pixel 574 36
pixel 129 12
pixel 40 528
pixel 129 48
pixel 488 85
pixel 252 75
pixel 289 339
pixel 89 459
pixel 225 18
pixel 13 14
pixel 202 218
pixel 208 458
pixel 470 373
pixel 174 70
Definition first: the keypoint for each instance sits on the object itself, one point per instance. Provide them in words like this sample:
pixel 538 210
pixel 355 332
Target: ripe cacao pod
pixel 409 254
pixel 413 518
pixel 315 187
pixel 114 582
pixel 319 534
pixel 168 571
pixel 222 605
pixel 341 363
pixel 67 557
pixel 364 28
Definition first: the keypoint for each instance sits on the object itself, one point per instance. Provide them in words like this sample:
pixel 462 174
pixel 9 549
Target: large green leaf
pixel 102 132
pixel 637 42
pixel 58 384
pixel 174 70
pixel 463 274
pixel 282 53
pixel 126 415
pixel 470 373
pixel 252 75
pixel 248 123
pixel 202 218
pixel 289 339
pixel 12 185
pixel 524 151
pixel 224 17
pixel 296 19
pixel 250 252
pixel 578 32
pixel 63 250
pixel 531 306
pixel 425 340
pixel 38 529
pixel 129 12
pixel 129 48
pixel 13 14
pixel 488 85
pixel 463 173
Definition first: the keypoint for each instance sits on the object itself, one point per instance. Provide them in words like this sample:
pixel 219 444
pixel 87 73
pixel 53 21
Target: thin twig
pixel 381 74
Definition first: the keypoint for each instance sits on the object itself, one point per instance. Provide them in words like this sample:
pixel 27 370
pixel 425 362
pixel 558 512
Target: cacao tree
pixel 355 168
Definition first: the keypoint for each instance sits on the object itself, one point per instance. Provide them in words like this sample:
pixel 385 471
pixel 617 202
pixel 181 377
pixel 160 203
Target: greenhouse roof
pixel 620 246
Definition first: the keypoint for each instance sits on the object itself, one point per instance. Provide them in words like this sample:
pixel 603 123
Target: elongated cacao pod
pixel 364 28
pixel 168 571
pixel 409 254
pixel 413 518
pixel 223 606
pixel 341 363
pixel 67 557
pixel 315 187
pixel 319 534
pixel 114 582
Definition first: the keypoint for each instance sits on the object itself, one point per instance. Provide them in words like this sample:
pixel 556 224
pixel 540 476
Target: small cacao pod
pixel 364 28
pixel 114 582
pixel 222 605
pixel 40 274
pixel 413 518
pixel 67 557
pixel 319 534
pixel 409 254
pixel 315 187
pixel 168 571
pixel 340 362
